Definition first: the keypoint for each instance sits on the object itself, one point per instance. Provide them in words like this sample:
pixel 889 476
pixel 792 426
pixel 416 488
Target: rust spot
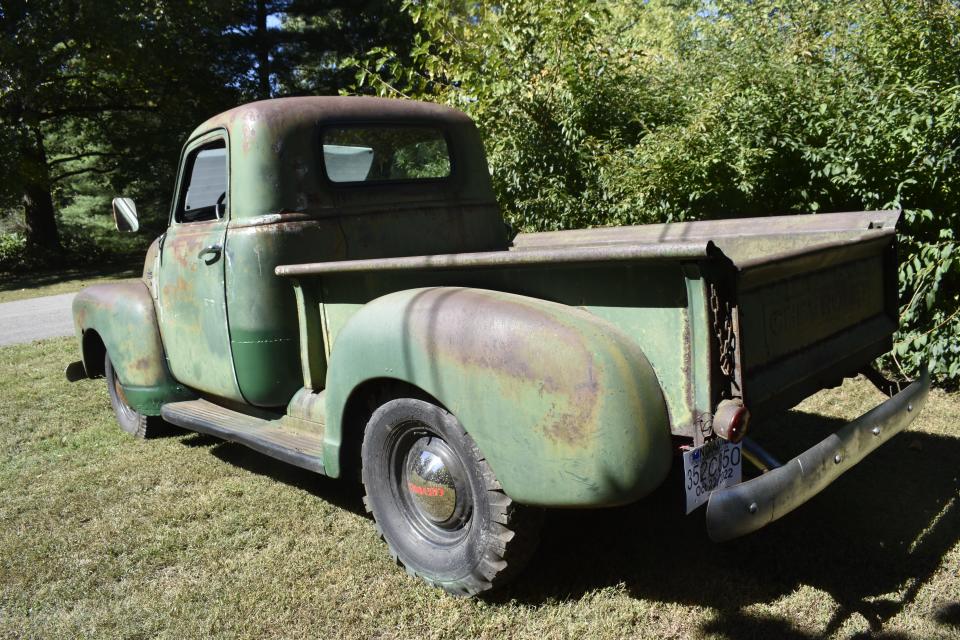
pixel 524 346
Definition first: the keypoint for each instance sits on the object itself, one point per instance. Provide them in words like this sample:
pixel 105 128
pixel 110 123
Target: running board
pixel 269 437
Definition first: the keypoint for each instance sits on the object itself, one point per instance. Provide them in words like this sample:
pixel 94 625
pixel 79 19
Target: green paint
pixel 647 302
pixel 148 400
pixel 571 377
pixel 564 406
pixel 697 345
pixel 190 298
pixel 123 316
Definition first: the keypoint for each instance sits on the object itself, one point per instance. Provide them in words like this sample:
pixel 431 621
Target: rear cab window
pixel 203 192
pixel 358 154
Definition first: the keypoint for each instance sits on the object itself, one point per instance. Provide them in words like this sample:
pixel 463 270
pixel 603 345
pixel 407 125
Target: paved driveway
pixel 36 318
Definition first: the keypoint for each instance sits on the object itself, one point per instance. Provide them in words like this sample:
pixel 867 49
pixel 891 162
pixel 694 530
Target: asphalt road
pixel 36 319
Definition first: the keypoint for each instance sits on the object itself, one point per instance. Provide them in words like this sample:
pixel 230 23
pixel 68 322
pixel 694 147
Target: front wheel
pixel 437 503
pixel 130 420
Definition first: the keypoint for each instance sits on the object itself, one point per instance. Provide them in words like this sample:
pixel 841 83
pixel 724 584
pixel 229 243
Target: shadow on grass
pixel 343 494
pixel 126 267
pixel 950 615
pixel 882 528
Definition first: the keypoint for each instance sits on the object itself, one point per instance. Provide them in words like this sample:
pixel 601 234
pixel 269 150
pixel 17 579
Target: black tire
pixel 130 420
pixel 414 455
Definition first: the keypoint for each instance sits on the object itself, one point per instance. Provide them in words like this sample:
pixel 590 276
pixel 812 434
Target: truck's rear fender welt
pixel 564 406
pixel 120 318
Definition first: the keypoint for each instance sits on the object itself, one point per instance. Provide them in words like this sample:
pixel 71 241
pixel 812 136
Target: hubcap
pixel 434 478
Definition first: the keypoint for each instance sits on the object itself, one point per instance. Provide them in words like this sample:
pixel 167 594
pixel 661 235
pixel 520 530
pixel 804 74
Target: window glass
pixel 385 153
pixel 205 189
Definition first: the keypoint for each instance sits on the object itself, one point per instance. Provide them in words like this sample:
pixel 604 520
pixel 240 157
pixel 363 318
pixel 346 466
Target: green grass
pixel 53 282
pixel 94 251
pixel 103 535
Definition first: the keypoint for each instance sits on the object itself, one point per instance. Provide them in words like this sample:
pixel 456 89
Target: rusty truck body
pixel 337 289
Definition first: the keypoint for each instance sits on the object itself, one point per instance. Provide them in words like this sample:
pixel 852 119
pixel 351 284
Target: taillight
pixel 731 420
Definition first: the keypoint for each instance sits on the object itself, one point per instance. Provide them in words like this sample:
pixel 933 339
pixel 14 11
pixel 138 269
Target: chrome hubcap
pixel 434 478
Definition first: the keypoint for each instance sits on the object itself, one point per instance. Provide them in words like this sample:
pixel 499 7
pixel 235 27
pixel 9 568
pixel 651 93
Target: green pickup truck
pixel 337 289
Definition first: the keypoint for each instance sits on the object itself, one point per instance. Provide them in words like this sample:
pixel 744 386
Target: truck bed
pixel 815 294
pixel 741 239
pixel 810 298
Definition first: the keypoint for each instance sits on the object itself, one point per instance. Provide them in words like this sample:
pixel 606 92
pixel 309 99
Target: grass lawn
pixel 50 283
pixel 185 537
pixel 105 253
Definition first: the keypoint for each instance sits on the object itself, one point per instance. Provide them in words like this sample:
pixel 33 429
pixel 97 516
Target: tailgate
pixel 807 316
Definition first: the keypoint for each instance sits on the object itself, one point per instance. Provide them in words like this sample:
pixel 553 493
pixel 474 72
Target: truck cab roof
pixel 310 155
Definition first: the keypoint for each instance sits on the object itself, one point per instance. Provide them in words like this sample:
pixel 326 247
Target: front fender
pixel 564 406
pixel 123 316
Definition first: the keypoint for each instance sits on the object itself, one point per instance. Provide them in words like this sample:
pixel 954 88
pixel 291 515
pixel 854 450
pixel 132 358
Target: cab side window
pixel 203 193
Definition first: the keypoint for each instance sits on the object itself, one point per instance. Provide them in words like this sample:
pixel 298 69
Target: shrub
pixel 628 112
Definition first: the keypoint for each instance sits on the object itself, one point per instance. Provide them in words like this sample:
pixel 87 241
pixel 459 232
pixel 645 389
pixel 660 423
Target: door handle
pixel 210 254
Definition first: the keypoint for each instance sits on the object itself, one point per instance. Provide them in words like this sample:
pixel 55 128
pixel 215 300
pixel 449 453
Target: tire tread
pixel 513 537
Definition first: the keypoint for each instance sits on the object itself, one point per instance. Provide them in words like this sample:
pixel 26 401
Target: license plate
pixel 714 465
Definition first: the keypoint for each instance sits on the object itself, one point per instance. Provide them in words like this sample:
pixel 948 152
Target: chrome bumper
pixel 748 506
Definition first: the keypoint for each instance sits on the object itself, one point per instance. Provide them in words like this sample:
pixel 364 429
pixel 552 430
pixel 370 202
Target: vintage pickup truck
pixel 337 289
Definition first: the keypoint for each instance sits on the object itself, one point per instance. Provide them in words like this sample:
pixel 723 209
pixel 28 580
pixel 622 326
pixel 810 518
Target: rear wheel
pixel 130 420
pixel 437 503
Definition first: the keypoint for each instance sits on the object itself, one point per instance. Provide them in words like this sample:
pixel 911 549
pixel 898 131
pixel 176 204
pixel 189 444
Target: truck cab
pixel 303 180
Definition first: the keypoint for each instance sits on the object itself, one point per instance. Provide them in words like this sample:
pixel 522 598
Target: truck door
pixel 191 301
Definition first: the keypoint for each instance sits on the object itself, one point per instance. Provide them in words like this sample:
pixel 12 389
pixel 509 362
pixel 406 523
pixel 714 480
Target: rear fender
pixel 565 407
pixel 122 316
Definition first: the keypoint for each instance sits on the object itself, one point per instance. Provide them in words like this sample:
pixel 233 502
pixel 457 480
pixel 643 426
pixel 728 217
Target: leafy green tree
pixel 98 96
pixel 320 37
pixel 633 111
pixel 81 79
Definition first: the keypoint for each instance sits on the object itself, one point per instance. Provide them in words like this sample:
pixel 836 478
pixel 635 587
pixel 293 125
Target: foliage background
pixel 593 112
pixel 637 111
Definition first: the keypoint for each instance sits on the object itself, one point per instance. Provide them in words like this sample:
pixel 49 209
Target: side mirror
pixel 125 215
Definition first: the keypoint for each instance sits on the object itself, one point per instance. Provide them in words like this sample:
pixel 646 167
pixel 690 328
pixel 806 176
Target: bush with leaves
pixel 632 111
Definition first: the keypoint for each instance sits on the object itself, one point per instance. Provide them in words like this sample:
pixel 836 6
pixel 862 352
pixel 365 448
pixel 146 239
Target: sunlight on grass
pixel 95 252
pixel 184 537
pixel 65 281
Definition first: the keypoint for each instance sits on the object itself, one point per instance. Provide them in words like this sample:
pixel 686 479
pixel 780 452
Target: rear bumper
pixel 751 505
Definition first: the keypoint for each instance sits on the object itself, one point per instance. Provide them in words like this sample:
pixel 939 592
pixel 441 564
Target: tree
pixel 109 89
pixel 320 38
pixel 637 111
pixel 109 67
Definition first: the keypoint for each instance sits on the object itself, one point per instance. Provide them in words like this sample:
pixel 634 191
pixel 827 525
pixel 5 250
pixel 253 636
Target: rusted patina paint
pixel 502 337
pixel 565 407
pixel 308 404
pixel 122 316
pixel 189 286
pixel 568 356
pixel 491 259
pixel 282 209
pixel 192 311
pixel 150 264
pixel 277 164
pixel 645 300
pixel 766 239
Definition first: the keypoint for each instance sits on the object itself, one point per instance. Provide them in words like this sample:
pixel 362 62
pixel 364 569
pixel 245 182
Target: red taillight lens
pixel 731 420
